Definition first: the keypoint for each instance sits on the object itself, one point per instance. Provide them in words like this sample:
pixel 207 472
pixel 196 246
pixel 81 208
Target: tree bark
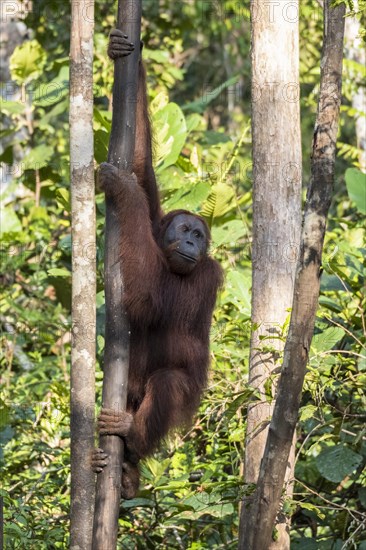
pixel 116 355
pixel 83 273
pixel 259 518
pixel 276 215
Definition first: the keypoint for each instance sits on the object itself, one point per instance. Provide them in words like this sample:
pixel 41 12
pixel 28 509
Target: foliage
pixel 198 57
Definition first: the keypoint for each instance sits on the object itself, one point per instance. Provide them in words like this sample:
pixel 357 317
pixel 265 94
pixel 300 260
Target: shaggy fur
pixel 170 314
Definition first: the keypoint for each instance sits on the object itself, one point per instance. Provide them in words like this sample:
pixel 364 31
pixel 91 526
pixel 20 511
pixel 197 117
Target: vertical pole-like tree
pixel 259 518
pixel 83 273
pixel 276 211
pixel 116 355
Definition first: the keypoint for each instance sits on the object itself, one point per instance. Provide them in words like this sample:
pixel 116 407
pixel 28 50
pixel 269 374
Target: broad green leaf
pixel 54 91
pixel 170 133
pixel 101 141
pixel 219 202
pixel 189 196
pixel 332 282
pixel 156 467
pixel 133 503
pixel 38 157
pixel 307 412
pixel 104 118
pixel 159 102
pixel 311 507
pixel 327 339
pixel 172 180
pixel 205 503
pixel 229 233
pixel 59 272
pixel 194 121
pixel 11 107
pixel 242 398
pixel 238 285
pixel 336 462
pixel 52 115
pixel 9 221
pixel 39 213
pixel 356 187
pixel 27 61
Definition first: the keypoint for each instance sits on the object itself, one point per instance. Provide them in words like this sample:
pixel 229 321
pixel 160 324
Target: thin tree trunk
pixel 116 356
pixel 276 216
pixel 83 273
pixel 259 519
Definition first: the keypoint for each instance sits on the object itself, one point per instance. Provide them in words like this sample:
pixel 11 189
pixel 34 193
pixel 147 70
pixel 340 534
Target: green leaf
pixel 9 221
pixel 63 198
pixel 58 272
pixel 229 233
pixel 209 95
pixel 11 107
pixel 27 62
pixel 38 157
pixel 238 402
pixel 196 196
pixel 311 507
pixel 133 503
pixel 48 120
pixel 307 412
pixel 101 141
pixel 356 187
pixel 207 504
pixel 194 121
pixel 159 102
pixel 189 197
pixel 238 286
pixel 332 282
pixel 54 91
pixel 336 462
pixel 170 132
pixel 219 202
pixel 104 119
pixel 327 339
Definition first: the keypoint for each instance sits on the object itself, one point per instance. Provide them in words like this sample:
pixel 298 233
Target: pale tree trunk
pixel 355 51
pixel 258 520
pixel 83 274
pixel 276 213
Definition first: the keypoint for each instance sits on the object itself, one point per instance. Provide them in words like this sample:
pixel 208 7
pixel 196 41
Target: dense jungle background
pixel 197 55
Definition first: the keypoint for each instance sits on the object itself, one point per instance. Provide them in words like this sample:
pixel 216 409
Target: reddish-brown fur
pixel 170 314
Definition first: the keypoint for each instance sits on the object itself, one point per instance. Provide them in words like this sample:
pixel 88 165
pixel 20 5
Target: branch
pixel 261 514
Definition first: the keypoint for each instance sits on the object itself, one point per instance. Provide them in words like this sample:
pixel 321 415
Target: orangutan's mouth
pixel 186 257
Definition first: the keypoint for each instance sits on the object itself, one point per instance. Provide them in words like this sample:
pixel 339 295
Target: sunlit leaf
pixel 27 61
pixel 356 187
pixel 338 461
